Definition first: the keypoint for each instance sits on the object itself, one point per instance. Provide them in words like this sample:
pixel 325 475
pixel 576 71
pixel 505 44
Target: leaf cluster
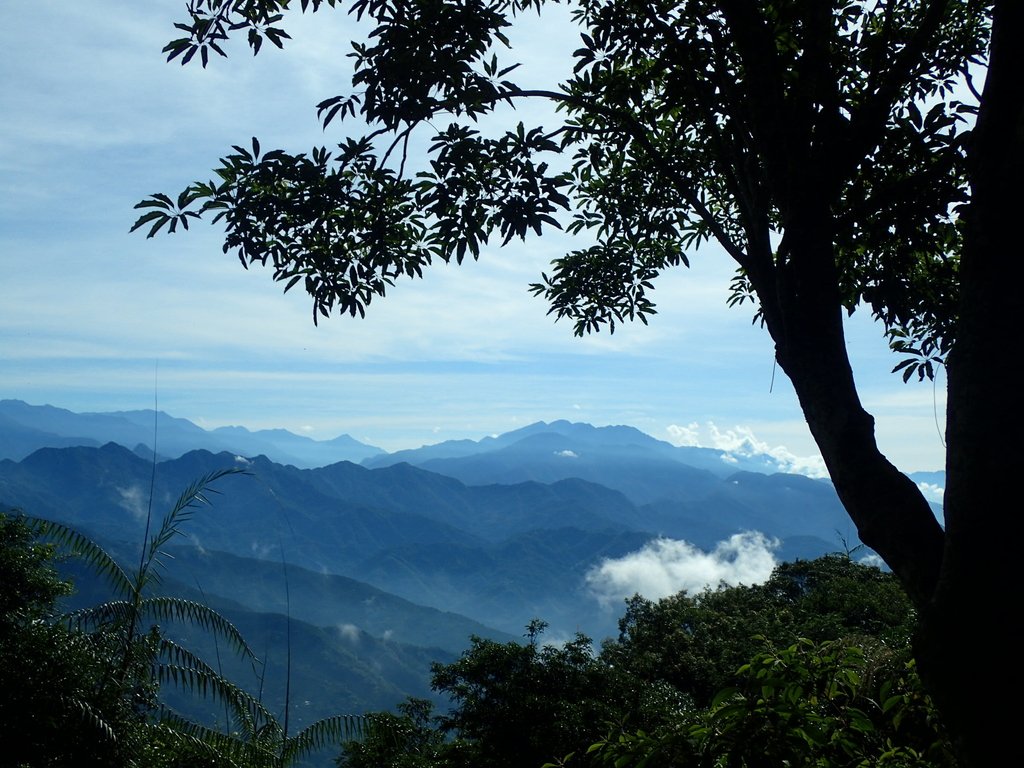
pixel 822 704
pixel 211 22
pixel 348 223
pixel 696 642
pixel 683 122
pixel 516 702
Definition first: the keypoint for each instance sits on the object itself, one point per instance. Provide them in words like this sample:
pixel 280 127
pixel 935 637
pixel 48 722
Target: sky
pixel 93 318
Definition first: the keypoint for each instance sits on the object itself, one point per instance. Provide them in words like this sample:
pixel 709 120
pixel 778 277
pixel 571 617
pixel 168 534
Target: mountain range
pixel 384 562
pixel 26 428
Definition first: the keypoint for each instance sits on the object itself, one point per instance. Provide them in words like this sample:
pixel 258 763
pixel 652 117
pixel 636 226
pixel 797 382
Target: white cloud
pixel 349 632
pixel 684 436
pixel 741 442
pixel 874 560
pixel 932 492
pixel 664 567
pixel 567 454
pixel 135 499
pixel 260 550
pixel 197 544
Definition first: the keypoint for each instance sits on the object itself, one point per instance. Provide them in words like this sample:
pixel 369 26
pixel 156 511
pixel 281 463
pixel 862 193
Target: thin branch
pixel 401 136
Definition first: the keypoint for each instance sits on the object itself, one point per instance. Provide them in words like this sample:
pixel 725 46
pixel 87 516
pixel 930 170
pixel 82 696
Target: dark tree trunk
pixel 961 579
pixel 969 651
pixel 805 318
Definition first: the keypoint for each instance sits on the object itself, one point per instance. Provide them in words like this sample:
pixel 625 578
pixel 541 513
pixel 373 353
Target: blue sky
pixel 93 318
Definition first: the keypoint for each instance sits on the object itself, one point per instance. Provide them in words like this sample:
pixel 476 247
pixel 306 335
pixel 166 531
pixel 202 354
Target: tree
pixel 687 684
pixel 822 704
pixel 54 710
pixel 512 704
pixel 822 145
pixel 810 668
pixel 407 739
pixel 106 663
pixel 522 704
pixel 695 643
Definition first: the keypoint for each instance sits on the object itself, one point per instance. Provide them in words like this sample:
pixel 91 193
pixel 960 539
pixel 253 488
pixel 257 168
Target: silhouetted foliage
pixel 57 706
pixel 825 147
pixel 83 688
pixel 827 704
pixel 812 665
pixel 697 642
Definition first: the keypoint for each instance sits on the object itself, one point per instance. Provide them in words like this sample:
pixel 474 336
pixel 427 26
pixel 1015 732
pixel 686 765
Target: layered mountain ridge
pixel 392 560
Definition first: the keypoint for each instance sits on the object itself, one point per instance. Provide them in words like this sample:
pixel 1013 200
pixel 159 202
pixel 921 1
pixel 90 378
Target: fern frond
pixel 177 730
pixel 179 656
pixel 208 684
pixel 89 716
pixel 182 511
pixel 110 613
pixel 79 545
pixel 166 608
pixel 331 731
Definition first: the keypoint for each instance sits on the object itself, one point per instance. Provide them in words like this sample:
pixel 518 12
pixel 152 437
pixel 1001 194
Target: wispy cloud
pixel 740 441
pixel 664 567
pixel 135 499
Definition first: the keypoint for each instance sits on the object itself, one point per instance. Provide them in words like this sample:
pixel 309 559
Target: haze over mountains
pixel 25 428
pixel 393 560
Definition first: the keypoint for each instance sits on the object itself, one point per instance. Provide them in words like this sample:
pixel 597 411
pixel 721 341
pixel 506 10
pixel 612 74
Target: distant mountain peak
pixel 26 428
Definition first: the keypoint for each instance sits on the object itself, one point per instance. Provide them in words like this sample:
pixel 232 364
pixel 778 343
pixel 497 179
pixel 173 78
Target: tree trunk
pixel 968 650
pixel 805 318
pixel 966 647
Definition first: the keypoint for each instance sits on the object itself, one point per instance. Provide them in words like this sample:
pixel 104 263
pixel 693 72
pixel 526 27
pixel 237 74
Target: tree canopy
pixel 824 146
pixel 811 667
pixel 679 127
pixel 697 642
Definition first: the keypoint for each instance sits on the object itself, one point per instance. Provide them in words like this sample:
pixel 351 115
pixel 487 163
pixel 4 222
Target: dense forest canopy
pixel 811 667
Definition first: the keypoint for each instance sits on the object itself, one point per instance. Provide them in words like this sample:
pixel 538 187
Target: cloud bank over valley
pixel 666 566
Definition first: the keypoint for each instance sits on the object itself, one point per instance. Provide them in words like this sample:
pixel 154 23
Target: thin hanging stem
pixel 288 646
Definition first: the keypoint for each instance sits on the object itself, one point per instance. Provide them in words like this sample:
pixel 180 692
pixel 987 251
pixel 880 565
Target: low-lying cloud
pixel 663 567
pixel 349 632
pixel 741 441
pixel 932 492
pixel 135 499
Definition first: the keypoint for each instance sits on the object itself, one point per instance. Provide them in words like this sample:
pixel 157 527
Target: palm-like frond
pixel 166 608
pixel 182 511
pixel 211 685
pixel 89 715
pixel 260 740
pixel 79 545
pixel 323 733
pixel 177 730
pixel 246 708
pixel 110 613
